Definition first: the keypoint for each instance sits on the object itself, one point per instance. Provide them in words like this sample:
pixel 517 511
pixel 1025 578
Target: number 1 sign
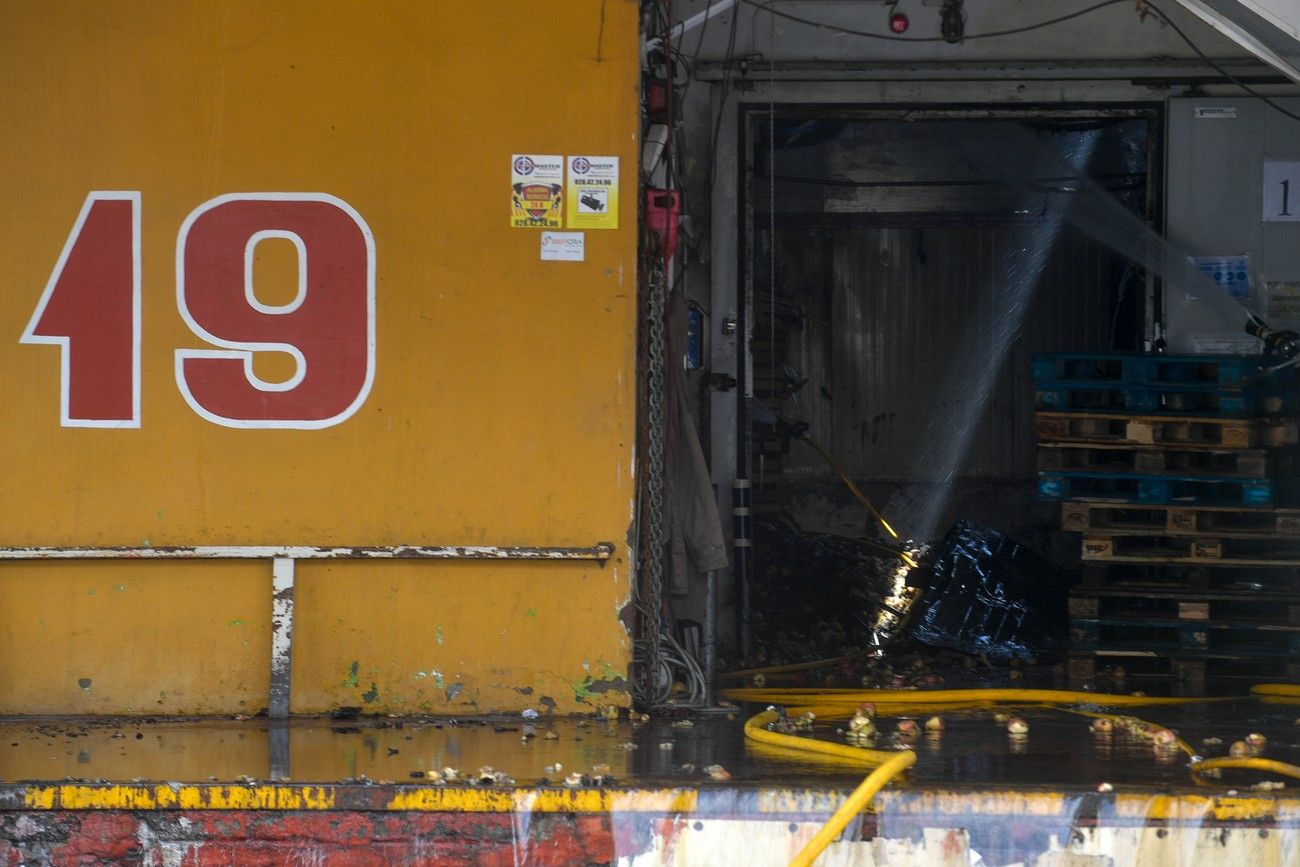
pixel 91 309
pixel 1281 189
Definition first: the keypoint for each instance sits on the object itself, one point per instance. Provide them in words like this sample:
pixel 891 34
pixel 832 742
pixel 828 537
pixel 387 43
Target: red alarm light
pixel 898 22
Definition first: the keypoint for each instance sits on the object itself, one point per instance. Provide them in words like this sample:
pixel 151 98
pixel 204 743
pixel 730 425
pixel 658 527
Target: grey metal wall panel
pixel 1214 207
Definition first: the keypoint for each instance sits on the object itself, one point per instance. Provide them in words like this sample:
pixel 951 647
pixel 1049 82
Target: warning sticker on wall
pixel 536 191
pixel 1282 298
pixel 1232 273
pixel 563 246
pixel 593 192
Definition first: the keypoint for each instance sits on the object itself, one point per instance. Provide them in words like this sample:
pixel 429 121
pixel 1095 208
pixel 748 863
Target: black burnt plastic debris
pixel 989 594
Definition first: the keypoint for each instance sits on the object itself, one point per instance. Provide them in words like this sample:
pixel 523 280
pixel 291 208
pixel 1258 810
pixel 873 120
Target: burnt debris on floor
pixel 977 600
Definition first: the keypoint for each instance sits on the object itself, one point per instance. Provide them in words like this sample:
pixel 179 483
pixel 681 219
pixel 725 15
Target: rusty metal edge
pixel 773 803
pixel 601 551
pixel 936 807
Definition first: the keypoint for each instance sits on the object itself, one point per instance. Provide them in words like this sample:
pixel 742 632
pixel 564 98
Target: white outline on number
pixel 65 374
pixel 250 249
pixel 244 350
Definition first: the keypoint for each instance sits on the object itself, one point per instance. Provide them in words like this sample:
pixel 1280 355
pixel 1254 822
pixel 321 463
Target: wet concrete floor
pixel 1059 750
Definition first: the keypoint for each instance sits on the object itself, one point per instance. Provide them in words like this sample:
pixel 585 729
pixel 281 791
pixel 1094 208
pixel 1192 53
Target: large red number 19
pixel 328 328
pixel 91 310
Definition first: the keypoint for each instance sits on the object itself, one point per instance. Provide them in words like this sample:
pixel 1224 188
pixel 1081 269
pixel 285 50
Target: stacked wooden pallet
pixel 1177 471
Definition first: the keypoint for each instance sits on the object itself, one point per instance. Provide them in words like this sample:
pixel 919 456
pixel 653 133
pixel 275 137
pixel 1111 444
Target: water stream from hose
pixel 1013 155
pixel 975 364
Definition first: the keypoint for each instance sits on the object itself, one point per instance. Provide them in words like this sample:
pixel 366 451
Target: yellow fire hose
pixel 862 795
pixel 1128 721
pixel 851 698
pixel 1275 690
pixel 756 730
pixel 857 492
pixel 840 711
pixel 891 764
pixel 842 702
pixel 1246 764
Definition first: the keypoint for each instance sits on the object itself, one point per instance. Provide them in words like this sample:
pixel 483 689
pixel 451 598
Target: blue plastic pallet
pixel 1158 490
pixel 1165 399
pixel 1141 368
pixel 1116 634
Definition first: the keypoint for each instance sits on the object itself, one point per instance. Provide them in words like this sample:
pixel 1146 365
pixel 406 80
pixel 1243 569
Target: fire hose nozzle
pixel 1285 343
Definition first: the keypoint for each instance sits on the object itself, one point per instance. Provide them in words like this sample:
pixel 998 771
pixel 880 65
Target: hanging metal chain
pixel 656 436
pixel 655 677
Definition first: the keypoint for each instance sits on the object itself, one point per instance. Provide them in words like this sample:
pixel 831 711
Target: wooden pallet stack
pixel 1177 471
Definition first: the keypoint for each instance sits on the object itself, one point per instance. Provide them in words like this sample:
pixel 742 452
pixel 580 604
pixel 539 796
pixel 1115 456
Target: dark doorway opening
pixel 875 253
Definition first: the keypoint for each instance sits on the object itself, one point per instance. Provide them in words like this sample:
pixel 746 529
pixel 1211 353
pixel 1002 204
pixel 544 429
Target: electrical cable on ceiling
pixel 767 5
pixel 708 10
pixel 1216 67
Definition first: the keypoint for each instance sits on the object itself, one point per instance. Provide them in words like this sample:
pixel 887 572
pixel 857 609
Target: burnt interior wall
pixel 879 265
pixel 881 310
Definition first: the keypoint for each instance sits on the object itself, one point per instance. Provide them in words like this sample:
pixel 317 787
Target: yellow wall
pixel 503 405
